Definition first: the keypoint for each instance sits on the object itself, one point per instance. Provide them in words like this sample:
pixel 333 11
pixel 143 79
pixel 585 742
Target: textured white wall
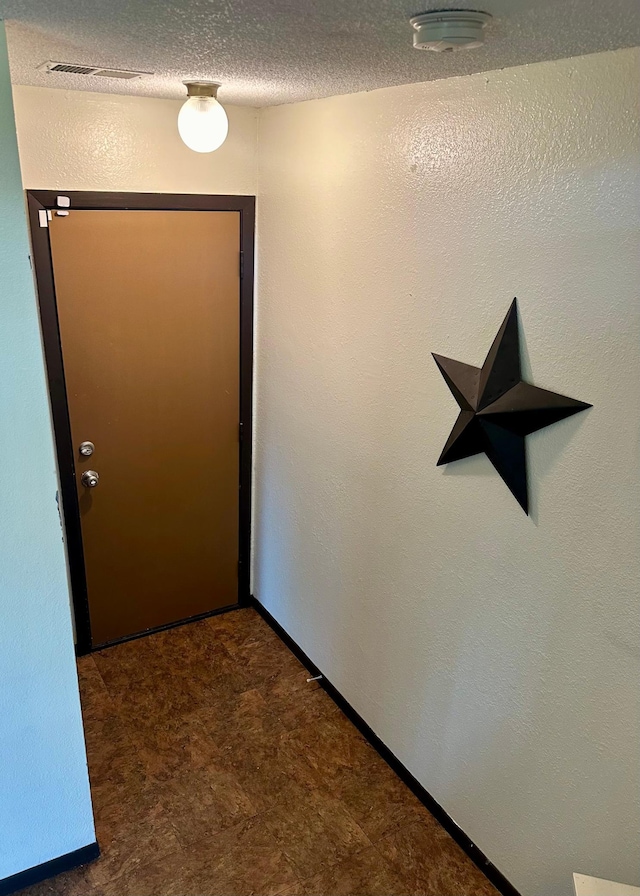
pixel 495 654
pixel 45 805
pixel 93 141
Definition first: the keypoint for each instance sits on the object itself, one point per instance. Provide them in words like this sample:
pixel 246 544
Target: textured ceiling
pixel 282 51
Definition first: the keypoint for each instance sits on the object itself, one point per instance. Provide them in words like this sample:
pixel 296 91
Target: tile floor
pixel 216 770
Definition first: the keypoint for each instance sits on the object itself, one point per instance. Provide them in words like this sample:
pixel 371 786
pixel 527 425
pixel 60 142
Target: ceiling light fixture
pixel 202 121
pixel 454 29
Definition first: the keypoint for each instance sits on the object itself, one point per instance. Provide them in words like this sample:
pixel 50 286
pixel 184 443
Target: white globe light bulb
pixel 202 122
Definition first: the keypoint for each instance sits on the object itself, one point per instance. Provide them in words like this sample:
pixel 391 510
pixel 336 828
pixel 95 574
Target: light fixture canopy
pixel 449 29
pixel 202 121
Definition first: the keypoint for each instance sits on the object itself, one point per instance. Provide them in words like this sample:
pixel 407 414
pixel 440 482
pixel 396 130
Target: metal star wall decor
pixel 498 409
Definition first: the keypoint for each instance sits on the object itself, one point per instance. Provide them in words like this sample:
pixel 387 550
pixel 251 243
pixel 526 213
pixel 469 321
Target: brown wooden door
pixel 148 307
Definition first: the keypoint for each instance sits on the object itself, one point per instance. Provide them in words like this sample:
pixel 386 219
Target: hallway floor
pixel 217 770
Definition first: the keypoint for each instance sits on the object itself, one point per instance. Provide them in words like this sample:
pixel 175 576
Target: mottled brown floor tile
pixel 169 674
pixel 229 719
pixel 172 745
pixel 365 873
pixel 110 751
pixel 132 829
pixel 190 644
pixel 191 652
pixel 241 628
pixel 270 770
pixel 314 833
pixel 299 680
pixel 242 861
pixel 432 863
pixel 217 679
pixel 94 696
pixel 217 770
pixel 157 701
pixel 71 883
pixel 297 702
pixel 377 799
pixel 201 804
pixel 148 705
pixel 294 890
pixel 118 873
pixel 168 877
pixel 267 661
pixel 353 772
pixel 124 666
pixel 333 747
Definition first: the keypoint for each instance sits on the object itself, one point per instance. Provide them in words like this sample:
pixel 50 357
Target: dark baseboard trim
pixel 161 628
pixel 38 873
pixel 476 855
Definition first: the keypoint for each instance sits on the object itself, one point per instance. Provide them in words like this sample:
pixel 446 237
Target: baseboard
pixel 476 855
pixel 38 873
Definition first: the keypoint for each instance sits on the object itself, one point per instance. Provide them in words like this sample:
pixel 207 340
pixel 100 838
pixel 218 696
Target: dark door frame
pixel 42 204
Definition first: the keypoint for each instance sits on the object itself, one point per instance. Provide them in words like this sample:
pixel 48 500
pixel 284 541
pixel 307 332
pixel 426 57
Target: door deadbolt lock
pixel 87 449
pixel 90 479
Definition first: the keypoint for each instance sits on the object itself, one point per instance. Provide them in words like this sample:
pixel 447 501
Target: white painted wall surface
pixel 495 654
pixel 73 140
pixel 45 805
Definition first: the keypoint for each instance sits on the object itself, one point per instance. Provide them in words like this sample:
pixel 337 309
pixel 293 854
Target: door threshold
pixel 159 628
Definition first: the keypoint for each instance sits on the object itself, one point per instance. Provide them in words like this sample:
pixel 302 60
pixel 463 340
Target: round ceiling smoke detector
pixel 449 30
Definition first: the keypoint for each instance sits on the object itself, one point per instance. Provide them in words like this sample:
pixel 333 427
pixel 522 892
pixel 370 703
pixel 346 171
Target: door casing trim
pixel 47 200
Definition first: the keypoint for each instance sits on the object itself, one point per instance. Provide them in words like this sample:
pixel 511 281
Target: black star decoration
pixel 498 409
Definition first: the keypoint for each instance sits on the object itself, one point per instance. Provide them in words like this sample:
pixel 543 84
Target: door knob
pixel 89 479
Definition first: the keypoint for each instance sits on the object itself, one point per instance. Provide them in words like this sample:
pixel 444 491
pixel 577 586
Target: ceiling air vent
pixel 73 69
